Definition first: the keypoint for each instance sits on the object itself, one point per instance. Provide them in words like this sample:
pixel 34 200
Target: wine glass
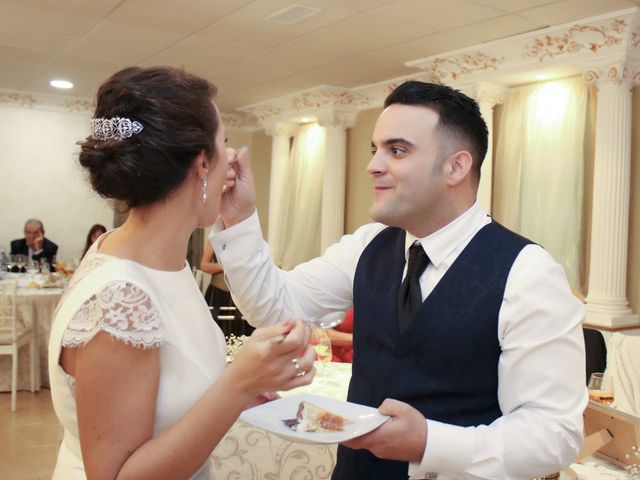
pixel 32 268
pixel 599 390
pixel 20 261
pixel 329 320
pixel 44 266
pixel 10 263
pixel 322 345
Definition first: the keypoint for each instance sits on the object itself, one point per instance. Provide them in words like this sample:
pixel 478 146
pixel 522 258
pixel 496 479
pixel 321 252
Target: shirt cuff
pixel 245 237
pixel 449 449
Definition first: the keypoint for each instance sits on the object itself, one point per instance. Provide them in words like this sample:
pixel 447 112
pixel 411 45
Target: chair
pixel 595 349
pixel 13 336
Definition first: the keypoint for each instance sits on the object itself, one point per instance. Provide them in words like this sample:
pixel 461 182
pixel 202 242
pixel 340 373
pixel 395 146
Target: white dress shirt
pixel 541 388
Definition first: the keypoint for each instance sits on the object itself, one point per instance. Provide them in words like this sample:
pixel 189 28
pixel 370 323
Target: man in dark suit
pixel 34 244
pixel 465 334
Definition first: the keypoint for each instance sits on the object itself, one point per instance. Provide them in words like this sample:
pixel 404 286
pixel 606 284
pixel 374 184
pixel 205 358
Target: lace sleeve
pixel 122 309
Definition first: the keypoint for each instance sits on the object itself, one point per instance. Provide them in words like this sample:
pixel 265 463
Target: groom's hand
pixel 239 197
pixel 402 437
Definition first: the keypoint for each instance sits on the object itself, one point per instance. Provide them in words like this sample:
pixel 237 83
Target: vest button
pixel 399 352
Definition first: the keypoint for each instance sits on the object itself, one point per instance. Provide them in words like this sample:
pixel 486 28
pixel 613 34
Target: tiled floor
pixel 29 437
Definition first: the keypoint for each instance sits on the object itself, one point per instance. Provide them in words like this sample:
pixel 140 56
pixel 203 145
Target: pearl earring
pixel 204 191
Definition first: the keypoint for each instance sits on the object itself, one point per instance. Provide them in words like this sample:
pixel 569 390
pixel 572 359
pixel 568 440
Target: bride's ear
pixel 202 165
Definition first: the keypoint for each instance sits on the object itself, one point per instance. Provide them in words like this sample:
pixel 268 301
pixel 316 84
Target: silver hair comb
pixel 115 128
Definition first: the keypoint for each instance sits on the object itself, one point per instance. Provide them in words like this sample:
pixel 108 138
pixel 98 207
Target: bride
pixel 136 362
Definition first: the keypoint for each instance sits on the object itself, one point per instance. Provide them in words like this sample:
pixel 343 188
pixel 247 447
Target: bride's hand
pixel 269 362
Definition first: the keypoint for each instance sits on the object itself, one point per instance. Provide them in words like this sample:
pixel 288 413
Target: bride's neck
pixel 156 236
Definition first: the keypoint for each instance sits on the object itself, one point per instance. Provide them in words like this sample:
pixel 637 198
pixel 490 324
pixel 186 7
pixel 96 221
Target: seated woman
pixel 92 236
pixel 137 367
pixel 217 295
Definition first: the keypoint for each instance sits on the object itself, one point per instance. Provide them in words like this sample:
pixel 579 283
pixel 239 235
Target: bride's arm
pixel 116 390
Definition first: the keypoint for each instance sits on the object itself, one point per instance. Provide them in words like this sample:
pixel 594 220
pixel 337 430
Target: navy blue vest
pixel 446 363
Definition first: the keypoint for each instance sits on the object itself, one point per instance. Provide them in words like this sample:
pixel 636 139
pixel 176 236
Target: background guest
pixel 217 295
pixel 34 244
pixel 92 236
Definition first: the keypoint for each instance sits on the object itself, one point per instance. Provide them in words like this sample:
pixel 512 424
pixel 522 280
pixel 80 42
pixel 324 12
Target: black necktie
pixel 410 294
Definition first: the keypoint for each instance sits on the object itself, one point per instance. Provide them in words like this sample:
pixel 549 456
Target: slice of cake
pixel 311 418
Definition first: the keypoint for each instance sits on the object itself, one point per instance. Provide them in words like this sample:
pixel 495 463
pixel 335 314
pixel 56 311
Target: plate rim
pixel 309 437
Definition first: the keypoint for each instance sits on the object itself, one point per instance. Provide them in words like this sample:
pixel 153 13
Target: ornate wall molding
pixel 635 37
pixel 339 119
pixel 577 38
pixel 444 69
pixel 621 73
pixel 236 121
pixel 46 102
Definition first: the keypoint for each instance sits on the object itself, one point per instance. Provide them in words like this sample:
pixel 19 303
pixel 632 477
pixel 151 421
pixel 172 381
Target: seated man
pixel 34 245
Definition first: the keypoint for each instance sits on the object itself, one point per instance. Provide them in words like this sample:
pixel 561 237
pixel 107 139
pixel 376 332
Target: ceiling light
pixel 293 14
pixel 541 76
pixel 65 84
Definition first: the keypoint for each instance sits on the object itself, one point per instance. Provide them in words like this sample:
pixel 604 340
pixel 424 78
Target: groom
pixel 471 329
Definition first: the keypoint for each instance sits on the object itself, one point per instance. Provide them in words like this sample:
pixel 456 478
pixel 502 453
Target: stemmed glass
pixel 329 320
pixel 322 345
pixel 32 268
pixel 20 261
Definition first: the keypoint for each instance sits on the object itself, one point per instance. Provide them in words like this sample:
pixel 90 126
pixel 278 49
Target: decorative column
pixel 333 185
pixel 487 95
pixel 281 133
pixel 607 304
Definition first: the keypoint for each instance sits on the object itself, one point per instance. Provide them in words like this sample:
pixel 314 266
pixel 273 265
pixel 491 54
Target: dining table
pixel 35 307
pixel 248 452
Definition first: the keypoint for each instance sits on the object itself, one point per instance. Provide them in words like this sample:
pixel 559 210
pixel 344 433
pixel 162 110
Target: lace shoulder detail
pixel 122 309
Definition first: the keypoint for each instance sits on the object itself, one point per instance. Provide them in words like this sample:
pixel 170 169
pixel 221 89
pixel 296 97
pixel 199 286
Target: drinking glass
pixel 322 345
pixel 32 267
pixel 44 266
pixel 329 320
pixel 20 261
pixel 599 390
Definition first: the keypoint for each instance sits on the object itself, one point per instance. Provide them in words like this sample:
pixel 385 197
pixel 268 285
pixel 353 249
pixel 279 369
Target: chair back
pixel 595 349
pixel 8 316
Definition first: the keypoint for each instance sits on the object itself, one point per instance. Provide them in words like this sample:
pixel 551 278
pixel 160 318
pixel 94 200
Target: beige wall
pixel 359 194
pixel 633 284
pixel 41 178
pixel 260 150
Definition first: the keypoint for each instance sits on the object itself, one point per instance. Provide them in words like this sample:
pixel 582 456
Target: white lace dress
pixel 145 308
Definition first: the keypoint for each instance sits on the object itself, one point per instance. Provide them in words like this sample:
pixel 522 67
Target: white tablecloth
pixel 35 309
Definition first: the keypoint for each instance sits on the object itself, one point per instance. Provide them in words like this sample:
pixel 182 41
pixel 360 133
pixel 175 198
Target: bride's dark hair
pixel 179 121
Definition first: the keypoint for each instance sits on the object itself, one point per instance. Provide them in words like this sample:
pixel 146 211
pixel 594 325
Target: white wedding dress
pixel 145 308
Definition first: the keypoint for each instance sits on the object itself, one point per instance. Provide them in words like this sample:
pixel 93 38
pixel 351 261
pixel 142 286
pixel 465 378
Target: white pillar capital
pixel 491 94
pixel 616 75
pixel 280 129
pixel 337 119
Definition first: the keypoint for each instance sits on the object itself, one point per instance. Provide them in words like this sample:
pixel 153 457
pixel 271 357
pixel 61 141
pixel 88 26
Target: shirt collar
pixel 441 243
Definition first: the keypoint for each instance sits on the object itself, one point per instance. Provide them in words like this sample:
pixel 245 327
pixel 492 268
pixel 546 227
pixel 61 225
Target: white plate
pixel 269 416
